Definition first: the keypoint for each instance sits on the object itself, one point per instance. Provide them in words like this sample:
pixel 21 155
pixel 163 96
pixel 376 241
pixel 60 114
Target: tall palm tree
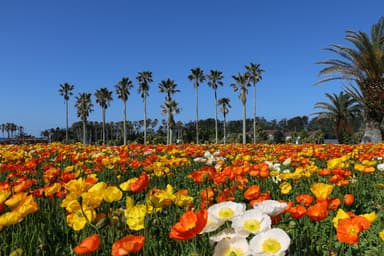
pixel 144 78
pixel 103 98
pixel 363 65
pixel 65 90
pixel 225 106
pixel 197 76
pixel 123 88
pixel 241 85
pixel 341 110
pixel 84 108
pixel 169 87
pixel 254 73
pixel 215 78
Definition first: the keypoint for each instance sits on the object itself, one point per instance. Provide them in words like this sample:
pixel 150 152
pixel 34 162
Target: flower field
pixel 235 199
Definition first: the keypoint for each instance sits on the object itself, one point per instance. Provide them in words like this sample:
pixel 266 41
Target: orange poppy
pixel 317 212
pixel 348 231
pixel 88 245
pixel 334 203
pixel 190 224
pixel 304 199
pixel 127 245
pixel 348 199
pixel 141 183
pixel 297 212
pixel 252 192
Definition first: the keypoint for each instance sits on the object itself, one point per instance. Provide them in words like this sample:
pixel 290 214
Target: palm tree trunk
pixel 66 121
pixel 224 128
pixel 125 123
pixel 197 115
pixel 372 132
pixel 145 119
pixel 84 133
pixel 216 132
pixel 103 125
pixel 244 123
pixel 254 114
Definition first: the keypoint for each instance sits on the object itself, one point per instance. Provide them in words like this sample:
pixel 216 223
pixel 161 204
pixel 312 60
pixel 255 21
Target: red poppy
pixel 127 245
pixel 190 224
pixel 349 199
pixel 88 245
pixel 141 183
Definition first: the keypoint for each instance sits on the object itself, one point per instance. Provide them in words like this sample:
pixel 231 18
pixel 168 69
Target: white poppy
pixel 226 210
pixel 236 246
pixel 273 242
pixel 270 207
pixel 251 222
pixel 226 233
pixel 380 167
pixel 212 224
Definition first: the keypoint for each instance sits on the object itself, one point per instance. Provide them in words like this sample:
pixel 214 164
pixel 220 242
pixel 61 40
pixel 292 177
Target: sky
pixel 93 44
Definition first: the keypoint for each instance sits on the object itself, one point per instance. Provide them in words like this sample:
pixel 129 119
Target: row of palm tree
pixel 11 129
pixel 170 107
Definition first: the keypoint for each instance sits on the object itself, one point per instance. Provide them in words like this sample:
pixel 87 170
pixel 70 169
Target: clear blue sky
pixel 93 44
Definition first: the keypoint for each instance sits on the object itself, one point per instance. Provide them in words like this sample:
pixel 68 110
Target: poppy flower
pixel 127 245
pixel 141 183
pixel 348 231
pixel 304 199
pixel 317 212
pixel 190 224
pixel 297 212
pixel 321 190
pixel 88 245
pixel 348 199
pixel 252 192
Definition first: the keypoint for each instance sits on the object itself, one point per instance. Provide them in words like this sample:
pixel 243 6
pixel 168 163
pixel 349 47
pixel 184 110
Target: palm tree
pixel 341 110
pixel 215 78
pixel 144 78
pixel 225 106
pixel 122 91
pixel 242 84
pixel 65 90
pixel 254 73
pixel 170 108
pixel 84 108
pixel 363 65
pixel 169 87
pixel 103 98
pixel 197 76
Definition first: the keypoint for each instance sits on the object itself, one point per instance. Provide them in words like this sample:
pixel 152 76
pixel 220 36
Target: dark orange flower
pixel 88 245
pixel 304 199
pixel 317 212
pixel 127 245
pixel 348 231
pixel 297 212
pixel 141 183
pixel 190 224
pixel 252 192
pixel 324 172
pixel 349 199
pixel 334 203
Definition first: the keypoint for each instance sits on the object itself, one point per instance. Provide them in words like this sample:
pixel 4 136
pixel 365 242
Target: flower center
pixel 251 225
pixel 226 213
pixel 271 246
pixel 233 252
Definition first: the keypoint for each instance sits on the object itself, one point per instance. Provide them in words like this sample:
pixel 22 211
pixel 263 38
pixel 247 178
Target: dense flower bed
pixel 235 199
